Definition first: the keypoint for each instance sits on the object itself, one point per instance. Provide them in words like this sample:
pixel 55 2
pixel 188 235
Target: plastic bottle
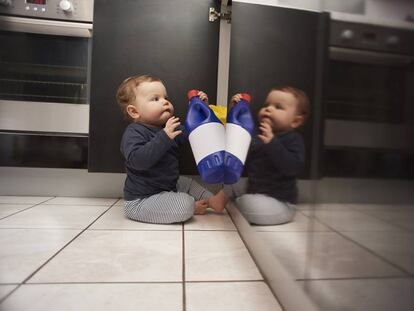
pixel 207 139
pixel 239 130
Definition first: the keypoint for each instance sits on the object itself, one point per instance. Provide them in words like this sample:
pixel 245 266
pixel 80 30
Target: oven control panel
pixel 70 10
pixel 371 37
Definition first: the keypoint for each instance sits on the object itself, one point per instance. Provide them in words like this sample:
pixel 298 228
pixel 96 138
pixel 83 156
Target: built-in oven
pixel 369 102
pixel 44 82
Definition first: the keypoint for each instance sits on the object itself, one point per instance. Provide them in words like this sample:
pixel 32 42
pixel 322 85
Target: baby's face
pixel 279 111
pixel 152 104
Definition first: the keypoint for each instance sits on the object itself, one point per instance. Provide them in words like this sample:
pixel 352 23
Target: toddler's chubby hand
pixel 235 99
pixel 266 132
pixel 170 127
pixel 203 96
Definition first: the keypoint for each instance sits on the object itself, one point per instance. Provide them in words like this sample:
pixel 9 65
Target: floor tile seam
pixel 132 230
pixel 390 277
pixel 25 209
pixel 401 269
pixel 387 221
pixel 100 282
pixel 211 230
pixel 227 281
pixel 184 297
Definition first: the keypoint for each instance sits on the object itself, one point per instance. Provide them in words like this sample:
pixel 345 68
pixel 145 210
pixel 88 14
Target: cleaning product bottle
pixel 239 130
pixel 207 139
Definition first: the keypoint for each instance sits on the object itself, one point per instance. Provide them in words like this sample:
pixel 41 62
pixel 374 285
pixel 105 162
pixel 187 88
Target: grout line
pixel 183 258
pixel 53 256
pixel 115 282
pixel 229 281
pixel 358 278
pixel 25 208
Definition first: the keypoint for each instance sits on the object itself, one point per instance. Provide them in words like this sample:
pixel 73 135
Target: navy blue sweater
pixel 272 168
pixel 151 160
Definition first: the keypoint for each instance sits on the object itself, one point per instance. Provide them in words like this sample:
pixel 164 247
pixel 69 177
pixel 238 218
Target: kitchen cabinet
pixel 170 39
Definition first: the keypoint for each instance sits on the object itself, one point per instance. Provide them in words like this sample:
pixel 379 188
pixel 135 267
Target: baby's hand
pixel 203 96
pixel 170 127
pixel 266 132
pixel 235 99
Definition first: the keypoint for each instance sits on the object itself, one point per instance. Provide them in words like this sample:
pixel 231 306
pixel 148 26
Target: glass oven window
pixel 364 92
pixel 43 68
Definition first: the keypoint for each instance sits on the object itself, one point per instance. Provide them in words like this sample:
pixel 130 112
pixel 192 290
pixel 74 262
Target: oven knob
pixel 392 40
pixel 66 5
pixel 347 34
pixel 6 2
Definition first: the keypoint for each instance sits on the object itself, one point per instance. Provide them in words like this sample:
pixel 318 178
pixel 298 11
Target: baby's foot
pixel 200 207
pixel 218 201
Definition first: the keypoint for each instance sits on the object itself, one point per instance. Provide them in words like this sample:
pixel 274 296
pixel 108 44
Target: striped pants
pixel 168 207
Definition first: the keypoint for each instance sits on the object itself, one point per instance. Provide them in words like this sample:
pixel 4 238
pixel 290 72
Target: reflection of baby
pixel 153 190
pixel 276 157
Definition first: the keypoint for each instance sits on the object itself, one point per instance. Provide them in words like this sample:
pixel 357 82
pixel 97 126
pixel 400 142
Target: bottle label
pixel 206 139
pixel 237 141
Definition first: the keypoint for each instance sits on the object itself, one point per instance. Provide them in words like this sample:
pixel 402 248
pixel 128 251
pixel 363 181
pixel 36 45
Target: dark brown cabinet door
pixel 170 39
pixel 275 46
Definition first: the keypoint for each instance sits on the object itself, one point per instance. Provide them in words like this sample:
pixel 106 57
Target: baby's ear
pixel 132 112
pixel 298 121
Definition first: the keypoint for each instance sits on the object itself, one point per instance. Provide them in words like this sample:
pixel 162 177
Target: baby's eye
pixel 279 107
pixel 155 98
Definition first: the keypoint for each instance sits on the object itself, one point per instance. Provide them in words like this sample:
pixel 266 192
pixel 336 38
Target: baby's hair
pixel 127 91
pixel 302 105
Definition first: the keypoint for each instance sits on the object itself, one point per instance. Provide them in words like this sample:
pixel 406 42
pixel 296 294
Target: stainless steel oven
pixel 369 106
pixel 44 82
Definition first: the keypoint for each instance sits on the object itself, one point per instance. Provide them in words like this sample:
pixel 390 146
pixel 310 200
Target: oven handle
pixel 47 27
pixel 369 57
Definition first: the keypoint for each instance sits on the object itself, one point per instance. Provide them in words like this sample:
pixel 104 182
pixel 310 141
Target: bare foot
pixel 218 201
pixel 200 207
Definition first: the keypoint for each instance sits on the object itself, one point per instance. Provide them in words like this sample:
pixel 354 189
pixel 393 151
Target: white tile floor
pixel 349 256
pixel 82 254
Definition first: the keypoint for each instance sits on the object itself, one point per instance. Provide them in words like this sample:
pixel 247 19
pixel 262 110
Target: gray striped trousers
pixel 168 207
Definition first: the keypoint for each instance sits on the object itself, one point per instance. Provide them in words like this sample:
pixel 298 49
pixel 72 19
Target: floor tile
pixel 117 256
pixel 120 202
pixel 351 221
pixel 24 250
pixel 5 290
pixel 231 296
pixel 7 209
pixel 324 255
pixel 299 223
pixel 324 206
pixel 397 247
pixel 83 201
pixel 383 207
pixel 217 255
pixel 23 199
pixel 115 219
pixel 363 295
pixel 54 216
pixel 99 297
pixel 210 221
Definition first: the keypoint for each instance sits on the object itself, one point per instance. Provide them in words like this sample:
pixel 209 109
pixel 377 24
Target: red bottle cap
pixel 246 97
pixel 192 93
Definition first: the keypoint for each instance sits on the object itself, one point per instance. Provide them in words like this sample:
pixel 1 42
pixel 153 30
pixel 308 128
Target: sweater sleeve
pixel 141 154
pixel 288 156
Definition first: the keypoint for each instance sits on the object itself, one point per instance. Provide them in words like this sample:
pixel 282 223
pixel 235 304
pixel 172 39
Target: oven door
pixel 44 78
pixel 369 125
